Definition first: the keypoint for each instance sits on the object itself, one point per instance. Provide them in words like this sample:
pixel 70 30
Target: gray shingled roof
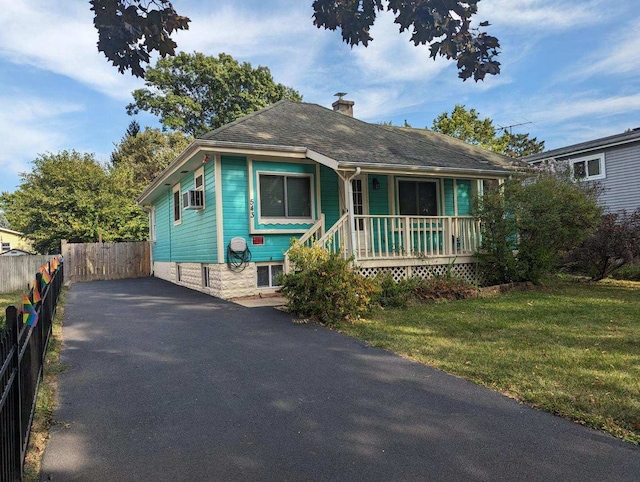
pixel 631 136
pixel 346 139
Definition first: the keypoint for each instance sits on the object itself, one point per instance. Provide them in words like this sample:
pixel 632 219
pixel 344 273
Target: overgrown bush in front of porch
pixel 528 226
pixel 322 286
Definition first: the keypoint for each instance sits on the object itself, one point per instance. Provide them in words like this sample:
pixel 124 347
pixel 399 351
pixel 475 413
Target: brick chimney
pixel 343 106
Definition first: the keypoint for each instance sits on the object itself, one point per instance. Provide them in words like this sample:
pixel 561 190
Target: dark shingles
pixel 350 140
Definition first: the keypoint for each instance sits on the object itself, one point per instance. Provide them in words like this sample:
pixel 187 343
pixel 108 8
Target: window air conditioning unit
pixel 193 199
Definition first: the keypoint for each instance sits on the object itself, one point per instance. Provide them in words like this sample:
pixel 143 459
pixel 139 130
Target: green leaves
pixel 195 93
pixel 130 30
pixel 69 195
pixel 466 125
pixel 443 24
pixel 527 227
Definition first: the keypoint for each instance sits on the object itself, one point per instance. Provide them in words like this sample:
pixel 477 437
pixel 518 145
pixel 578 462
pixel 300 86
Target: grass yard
pixel 571 348
pixel 6 299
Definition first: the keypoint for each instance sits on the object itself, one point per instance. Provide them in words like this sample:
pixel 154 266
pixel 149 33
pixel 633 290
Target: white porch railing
pixel 380 237
pixel 336 240
pixel 398 237
pixel 314 234
pixel 308 239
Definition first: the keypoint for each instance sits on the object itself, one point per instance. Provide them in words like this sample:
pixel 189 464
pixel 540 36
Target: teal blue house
pixel 222 215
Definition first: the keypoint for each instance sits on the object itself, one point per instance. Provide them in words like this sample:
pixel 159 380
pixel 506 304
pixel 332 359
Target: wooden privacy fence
pixel 105 261
pixel 22 351
pixel 16 272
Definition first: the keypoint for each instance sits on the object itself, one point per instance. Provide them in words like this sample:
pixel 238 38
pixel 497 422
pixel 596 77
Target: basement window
pixel 268 274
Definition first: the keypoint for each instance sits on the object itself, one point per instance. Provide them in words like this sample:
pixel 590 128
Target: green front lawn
pixel 6 299
pixel 572 349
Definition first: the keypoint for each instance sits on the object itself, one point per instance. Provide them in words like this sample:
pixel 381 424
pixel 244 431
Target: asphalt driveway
pixel 170 384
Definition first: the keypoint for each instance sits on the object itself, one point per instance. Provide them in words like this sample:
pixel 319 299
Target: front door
pixel 360 207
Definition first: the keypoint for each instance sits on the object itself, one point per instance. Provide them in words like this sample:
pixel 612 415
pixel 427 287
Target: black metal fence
pixel 22 352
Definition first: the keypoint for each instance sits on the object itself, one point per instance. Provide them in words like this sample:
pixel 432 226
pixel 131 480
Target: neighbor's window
pixel 418 198
pixel 177 212
pixel 268 274
pixel 588 168
pixel 285 196
pixel 6 247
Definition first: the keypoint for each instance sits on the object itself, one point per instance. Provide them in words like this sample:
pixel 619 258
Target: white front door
pixel 360 207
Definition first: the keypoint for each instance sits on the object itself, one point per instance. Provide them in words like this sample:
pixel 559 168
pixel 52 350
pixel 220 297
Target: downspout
pixel 352 222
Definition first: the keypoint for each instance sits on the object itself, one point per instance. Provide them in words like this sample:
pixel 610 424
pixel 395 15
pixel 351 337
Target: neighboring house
pixel 396 199
pixel 15 252
pixel 10 240
pixel 612 161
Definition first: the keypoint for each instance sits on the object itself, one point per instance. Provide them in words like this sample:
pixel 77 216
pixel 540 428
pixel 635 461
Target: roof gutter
pixel 425 169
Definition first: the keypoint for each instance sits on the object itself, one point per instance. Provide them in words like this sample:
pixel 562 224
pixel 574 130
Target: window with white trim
pixel 588 168
pixel 418 198
pixel 285 196
pixel 198 182
pixel 6 247
pixel 177 211
pixel 267 275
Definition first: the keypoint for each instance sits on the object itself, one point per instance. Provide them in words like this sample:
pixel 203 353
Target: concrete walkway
pixel 168 384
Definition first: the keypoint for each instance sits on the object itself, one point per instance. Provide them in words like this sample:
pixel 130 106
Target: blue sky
pixel 569 68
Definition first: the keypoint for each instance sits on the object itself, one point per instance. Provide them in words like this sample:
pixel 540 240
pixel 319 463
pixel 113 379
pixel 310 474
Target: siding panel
pixel 379 200
pixel 194 240
pixel 330 196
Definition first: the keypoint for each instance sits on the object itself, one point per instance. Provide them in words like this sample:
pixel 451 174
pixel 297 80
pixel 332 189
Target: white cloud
pixel 564 119
pixel 392 57
pixel 534 17
pixel 557 110
pixel 619 55
pixel 60 38
pixel 30 126
pixel 285 41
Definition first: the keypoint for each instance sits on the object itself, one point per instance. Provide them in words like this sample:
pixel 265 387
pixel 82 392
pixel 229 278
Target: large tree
pixel 195 93
pixel 4 223
pixel 146 153
pixel 468 126
pixel 69 195
pixel 130 30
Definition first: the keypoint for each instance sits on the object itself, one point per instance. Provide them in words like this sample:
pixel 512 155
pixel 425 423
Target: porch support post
pixel 352 223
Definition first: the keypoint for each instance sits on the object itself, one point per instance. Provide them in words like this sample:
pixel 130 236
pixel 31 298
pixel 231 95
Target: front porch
pixel 404 246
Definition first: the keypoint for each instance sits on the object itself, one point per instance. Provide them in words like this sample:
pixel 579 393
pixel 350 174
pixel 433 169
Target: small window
pixel 268 275
pixel 285 196
pixel 6 247
pixel 418 198
pixel 179 272
pixel 152 224
pixel 588 168
pixel 177 212
pixel 198 183
pixel 205 277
